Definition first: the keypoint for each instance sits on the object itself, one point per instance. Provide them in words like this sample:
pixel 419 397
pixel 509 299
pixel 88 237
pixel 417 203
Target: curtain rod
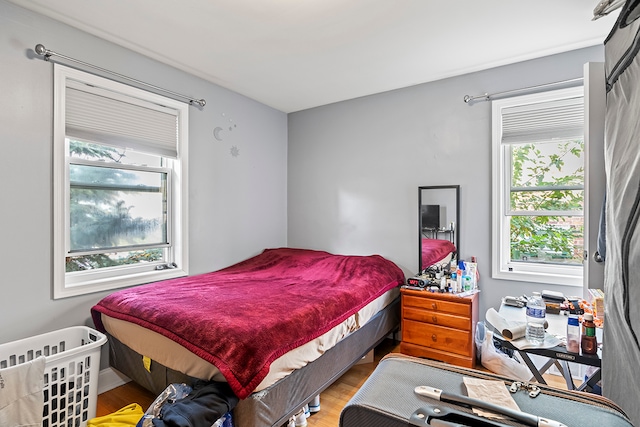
pixel 486 97
pixel 41 50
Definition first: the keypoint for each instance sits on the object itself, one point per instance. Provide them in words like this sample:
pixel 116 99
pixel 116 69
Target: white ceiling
pixel 297 54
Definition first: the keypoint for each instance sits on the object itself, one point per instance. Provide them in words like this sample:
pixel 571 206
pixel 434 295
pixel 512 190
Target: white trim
pixel 556 275
pixel 90 286
pixel 109 378
pixel 72 284
pixel 595 176
pixel 60 193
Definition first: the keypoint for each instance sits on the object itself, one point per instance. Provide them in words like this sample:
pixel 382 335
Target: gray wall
pixel 237 205
pixel 355 166
pixel 346 182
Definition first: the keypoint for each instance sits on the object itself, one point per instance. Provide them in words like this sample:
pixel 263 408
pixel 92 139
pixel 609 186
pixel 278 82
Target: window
pixel 538 187
pixel 120 188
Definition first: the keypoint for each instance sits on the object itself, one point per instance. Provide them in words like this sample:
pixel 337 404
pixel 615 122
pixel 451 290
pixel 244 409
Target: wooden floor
pixel 332 400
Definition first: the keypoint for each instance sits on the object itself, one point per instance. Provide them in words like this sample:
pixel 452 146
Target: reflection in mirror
pixel 438 224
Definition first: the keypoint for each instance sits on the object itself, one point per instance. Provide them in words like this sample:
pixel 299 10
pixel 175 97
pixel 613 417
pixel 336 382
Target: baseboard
pixel 109 379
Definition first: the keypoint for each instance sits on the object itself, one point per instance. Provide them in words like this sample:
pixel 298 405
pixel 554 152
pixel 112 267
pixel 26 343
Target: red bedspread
pixel 243 317
pixel 433 250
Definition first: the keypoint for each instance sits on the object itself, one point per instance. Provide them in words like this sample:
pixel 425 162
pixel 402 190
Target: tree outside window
pixel 546 202
pixel 113 211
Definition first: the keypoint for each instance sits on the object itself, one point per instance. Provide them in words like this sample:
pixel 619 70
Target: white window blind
pixel 536 122
pixel 97 114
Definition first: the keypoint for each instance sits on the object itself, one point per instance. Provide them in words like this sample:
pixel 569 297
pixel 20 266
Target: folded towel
pixel 21 396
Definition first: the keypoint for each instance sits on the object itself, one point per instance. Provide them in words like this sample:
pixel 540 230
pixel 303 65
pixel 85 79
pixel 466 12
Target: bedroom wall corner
pixel 355 166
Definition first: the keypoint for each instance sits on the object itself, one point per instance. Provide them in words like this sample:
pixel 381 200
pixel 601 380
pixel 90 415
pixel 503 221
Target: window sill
pixel 106 284
pixel 544 278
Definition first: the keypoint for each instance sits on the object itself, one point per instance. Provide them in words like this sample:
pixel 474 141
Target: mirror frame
pixel 457 216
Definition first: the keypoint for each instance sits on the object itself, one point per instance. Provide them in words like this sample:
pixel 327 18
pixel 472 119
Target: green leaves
pixel 90 262
pixel 547 177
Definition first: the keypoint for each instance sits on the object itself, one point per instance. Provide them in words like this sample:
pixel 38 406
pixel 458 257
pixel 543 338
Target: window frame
pixel 502 267
pixel 86 282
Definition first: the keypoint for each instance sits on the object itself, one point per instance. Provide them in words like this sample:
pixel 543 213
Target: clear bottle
pixel 573 333
pixel 588 343
pixel 536 313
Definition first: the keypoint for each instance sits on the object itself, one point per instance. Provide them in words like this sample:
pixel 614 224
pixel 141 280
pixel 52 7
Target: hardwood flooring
pixel 332 400
pixel 122 396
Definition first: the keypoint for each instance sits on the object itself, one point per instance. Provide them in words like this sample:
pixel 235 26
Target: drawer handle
pixel 435 319
pixel 434 306
pixel 434 337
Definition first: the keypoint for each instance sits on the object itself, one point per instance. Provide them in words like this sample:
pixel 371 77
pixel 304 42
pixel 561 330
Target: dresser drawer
pixel 433 304
pixel 438 337
pixel 436 318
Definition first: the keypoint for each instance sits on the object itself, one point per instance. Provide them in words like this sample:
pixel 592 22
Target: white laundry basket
pixel 72 366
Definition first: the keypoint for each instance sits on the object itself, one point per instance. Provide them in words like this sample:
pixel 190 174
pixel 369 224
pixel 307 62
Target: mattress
pixel 160 349
pixel 276 404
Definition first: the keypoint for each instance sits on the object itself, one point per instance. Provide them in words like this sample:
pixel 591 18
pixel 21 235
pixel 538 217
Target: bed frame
pixel 273 406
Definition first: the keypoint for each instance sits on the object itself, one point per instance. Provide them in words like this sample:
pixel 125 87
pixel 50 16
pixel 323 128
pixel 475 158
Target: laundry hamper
pixel 72 365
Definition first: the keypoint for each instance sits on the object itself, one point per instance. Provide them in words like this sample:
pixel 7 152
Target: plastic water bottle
pixel 536 313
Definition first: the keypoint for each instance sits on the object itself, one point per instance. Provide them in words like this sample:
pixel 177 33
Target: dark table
pixel 558 356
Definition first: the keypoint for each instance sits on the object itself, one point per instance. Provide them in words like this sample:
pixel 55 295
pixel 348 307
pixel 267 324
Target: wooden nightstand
pixel 439 326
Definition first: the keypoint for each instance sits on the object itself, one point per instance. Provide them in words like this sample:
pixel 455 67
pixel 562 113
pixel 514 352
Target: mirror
pixel 438 222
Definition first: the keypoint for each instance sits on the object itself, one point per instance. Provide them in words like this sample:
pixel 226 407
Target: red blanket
pixel 243 317
pixel 434 250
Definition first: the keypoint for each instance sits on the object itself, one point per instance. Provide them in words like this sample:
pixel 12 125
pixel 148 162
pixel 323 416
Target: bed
pixel 435 251
pixel 279 327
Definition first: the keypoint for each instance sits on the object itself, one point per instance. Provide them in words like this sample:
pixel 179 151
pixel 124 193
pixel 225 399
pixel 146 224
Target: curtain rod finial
pixel 40 49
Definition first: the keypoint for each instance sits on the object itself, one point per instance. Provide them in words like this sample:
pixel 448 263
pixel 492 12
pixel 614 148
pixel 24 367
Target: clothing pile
pixel 206 404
